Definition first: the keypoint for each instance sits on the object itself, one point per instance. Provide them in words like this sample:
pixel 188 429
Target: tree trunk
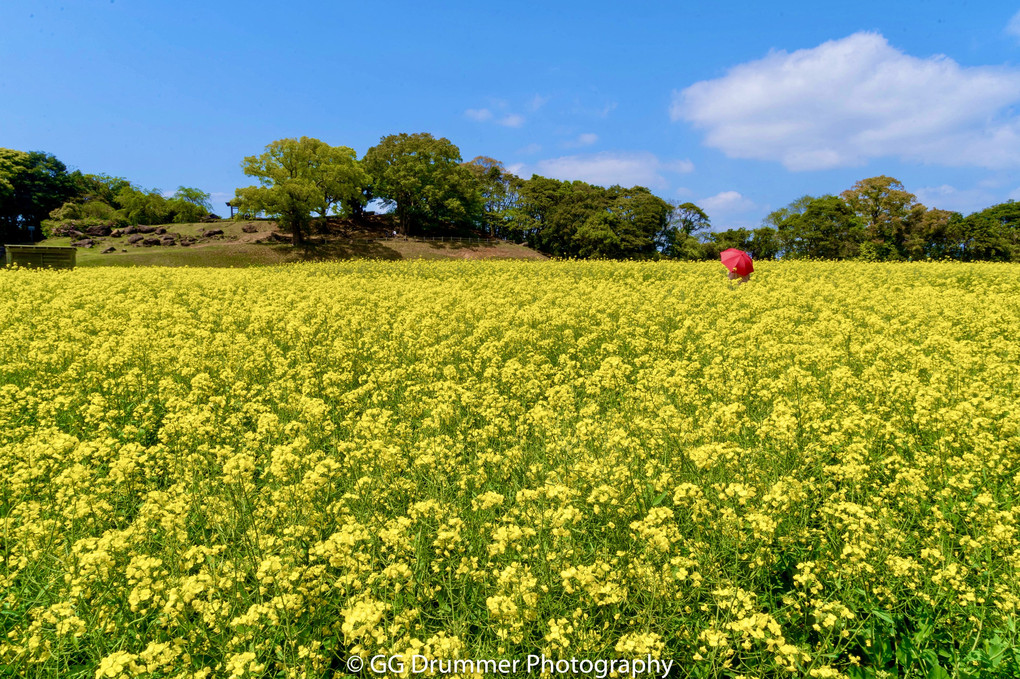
pixel 402 220
pixel 357 211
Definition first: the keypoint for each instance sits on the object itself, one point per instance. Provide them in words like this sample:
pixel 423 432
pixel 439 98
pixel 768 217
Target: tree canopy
pixel 577 219
pixel 31 185
pixel 685 223
pixel 823 227
pixel 887 212
pixel 301 176
pixel 424 178
pixel 432 190
pixel 501 196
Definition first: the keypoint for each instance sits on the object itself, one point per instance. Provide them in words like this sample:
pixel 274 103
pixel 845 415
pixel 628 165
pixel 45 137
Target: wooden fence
pixel 436 239
pixel 41 256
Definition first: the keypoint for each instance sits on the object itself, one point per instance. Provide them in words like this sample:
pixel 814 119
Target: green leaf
pixel 882 615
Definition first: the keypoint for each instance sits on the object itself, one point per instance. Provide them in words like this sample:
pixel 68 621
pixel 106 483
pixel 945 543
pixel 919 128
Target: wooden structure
pixel 41 256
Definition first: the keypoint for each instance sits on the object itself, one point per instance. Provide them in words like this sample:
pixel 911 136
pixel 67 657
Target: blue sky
pixel 740 107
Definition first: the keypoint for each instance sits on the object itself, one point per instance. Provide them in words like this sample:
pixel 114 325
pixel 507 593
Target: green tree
pixel 423 177
pixel 141 206
pixel 641 216
pixel 501 196
pixel 778 220
pixel 826 229
pixel 992 233
pixel 598 236
pixel 938 234
pixel 764 243
pixel 32 184
pixel 717 241
pixel 534 217
pixel 559 209
pixel 887 211
pixel 301 176
pixel 796 207
pixel 290 201
pixel 338 176
pixel 577 219
pixel 679 237
pixel 189 205
pixel 98 187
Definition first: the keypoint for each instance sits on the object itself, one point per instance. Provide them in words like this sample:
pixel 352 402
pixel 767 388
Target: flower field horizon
pixel 264 472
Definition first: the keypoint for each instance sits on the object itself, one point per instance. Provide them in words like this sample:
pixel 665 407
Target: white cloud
pixel 483 115
pixel 608 168
pixel 530 150
pixel 1013 27
pixel 993 182
pixel 512 120
pixel 726 203
pixel 219 198
pixel 537 102
pixel 681 166
pixel 1014 194
pixel 586 139
pixel 850 100
pixel 479 115
pixel 946 197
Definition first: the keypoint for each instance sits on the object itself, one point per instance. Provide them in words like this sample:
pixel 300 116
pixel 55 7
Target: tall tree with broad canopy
pixel 888 213
pixel 424 178
pixel 938 234
pixel 826 229
pixel 639 217
pixel 32 184
pixel 501 195
pixel 301 176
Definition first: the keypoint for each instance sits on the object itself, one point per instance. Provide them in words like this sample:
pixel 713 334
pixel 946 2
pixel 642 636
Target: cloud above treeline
pixel 482 115
pixel 726 203
pixel 848 101
pixel 638 168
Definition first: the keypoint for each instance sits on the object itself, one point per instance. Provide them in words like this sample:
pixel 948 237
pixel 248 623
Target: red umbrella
pixel 737 261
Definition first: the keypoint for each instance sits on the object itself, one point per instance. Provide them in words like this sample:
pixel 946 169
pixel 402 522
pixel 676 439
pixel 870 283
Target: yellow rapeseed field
pixel 264 472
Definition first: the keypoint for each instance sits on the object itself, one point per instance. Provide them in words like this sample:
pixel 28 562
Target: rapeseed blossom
pixel 261 472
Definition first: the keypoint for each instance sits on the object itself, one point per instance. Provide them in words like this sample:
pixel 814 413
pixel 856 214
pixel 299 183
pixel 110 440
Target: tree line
pixel 428 185
pixel 878 220
pixel 431 189
pixel 39 198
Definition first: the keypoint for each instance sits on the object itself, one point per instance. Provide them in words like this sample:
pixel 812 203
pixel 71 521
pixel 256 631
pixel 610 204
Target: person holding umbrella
pixel 739 264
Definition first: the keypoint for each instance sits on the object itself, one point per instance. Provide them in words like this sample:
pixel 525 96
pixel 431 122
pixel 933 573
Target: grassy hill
pixel 254 243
